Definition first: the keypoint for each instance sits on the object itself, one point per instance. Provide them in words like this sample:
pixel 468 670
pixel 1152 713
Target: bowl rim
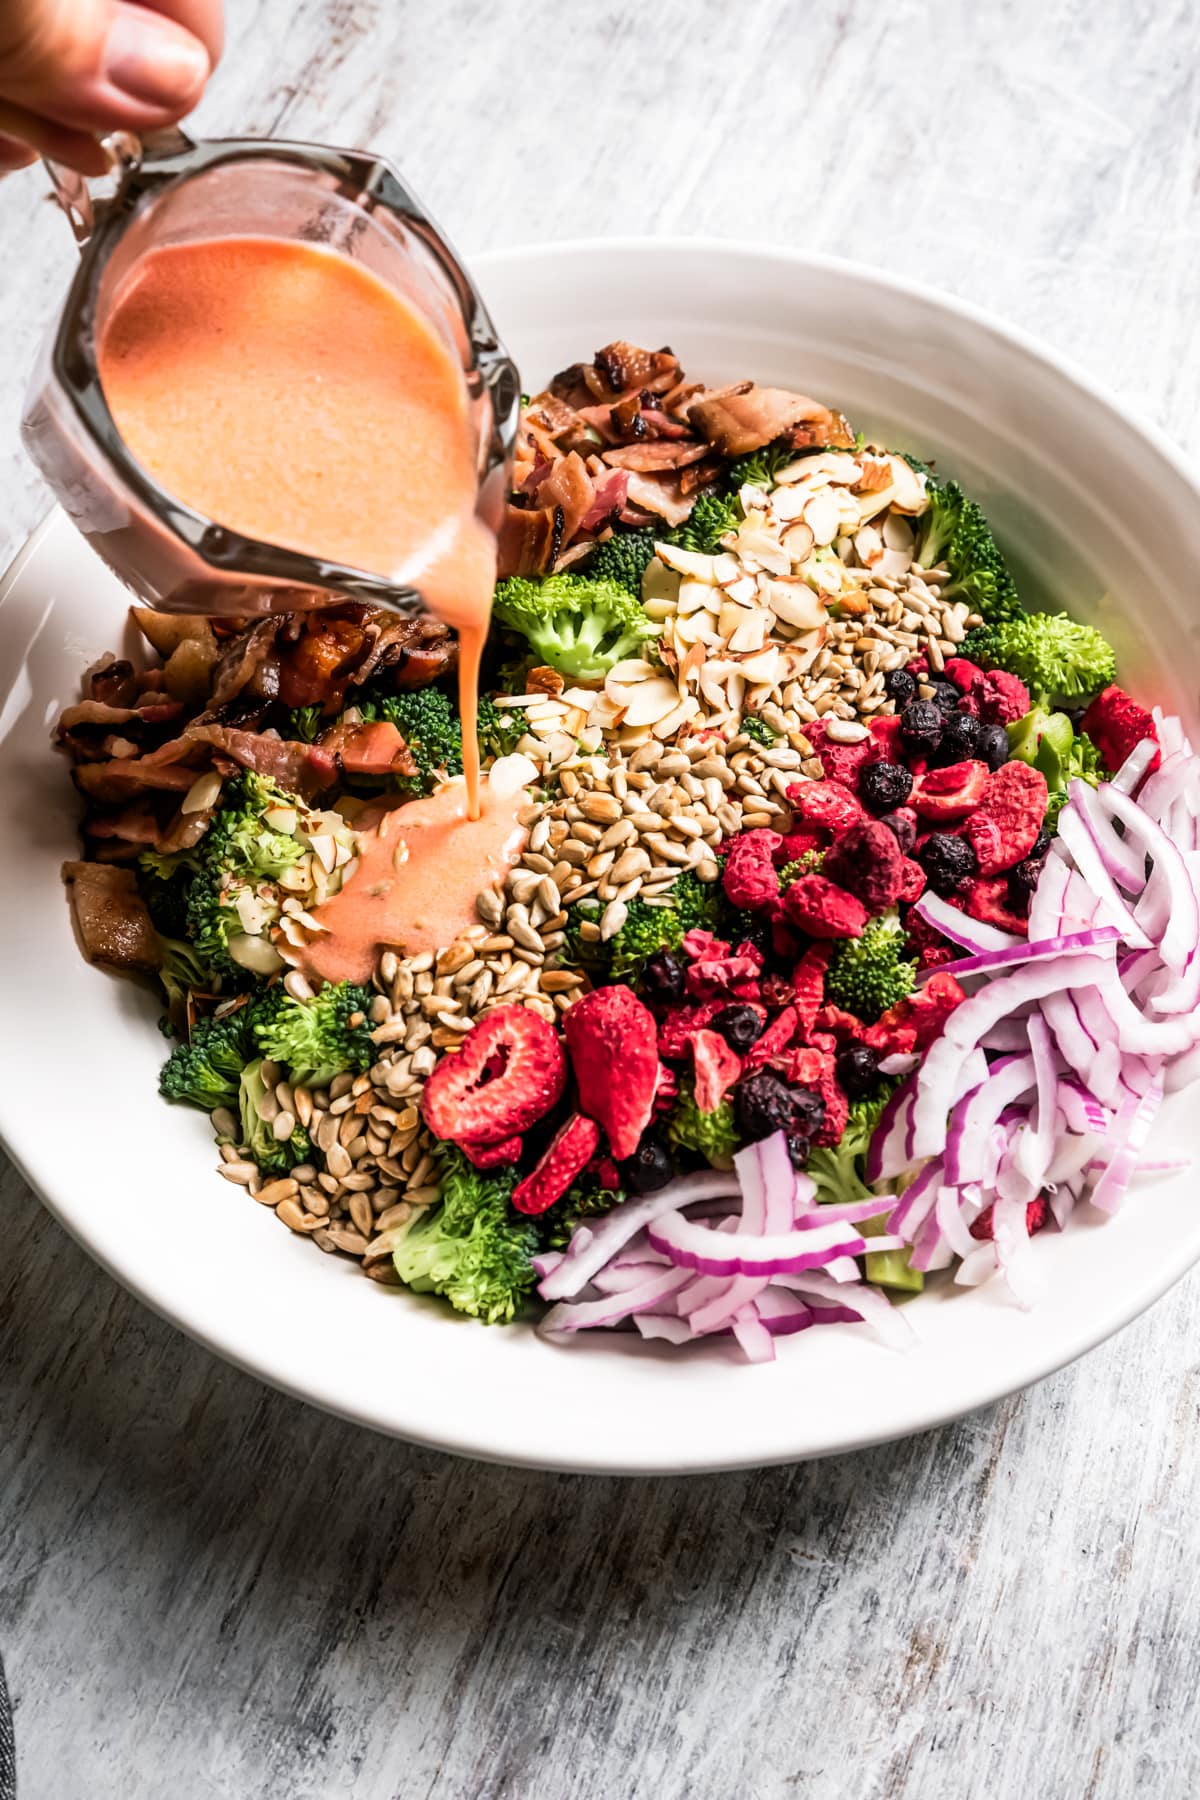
pixel 36 1165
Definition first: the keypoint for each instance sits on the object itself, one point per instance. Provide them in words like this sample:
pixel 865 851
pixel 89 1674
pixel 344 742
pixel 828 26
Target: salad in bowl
pixel 847 930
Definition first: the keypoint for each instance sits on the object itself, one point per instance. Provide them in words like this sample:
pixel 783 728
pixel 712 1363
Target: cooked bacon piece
pixel 655 454
pixel 155 711
pixel 658 424
pixel 699 475
pixel 830 433
pixel 248 662
pixel 112 683
pixel 659 494
pixel 745 417
pixel 530 539
pixel 110 916
pixel 314 670
pixel 304 769
pixel 374 747
pixel 170 768
pixel 624 366
pixel 607 501
pixel 566 488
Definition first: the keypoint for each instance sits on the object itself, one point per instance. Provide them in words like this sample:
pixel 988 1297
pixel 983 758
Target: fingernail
pixel 154 61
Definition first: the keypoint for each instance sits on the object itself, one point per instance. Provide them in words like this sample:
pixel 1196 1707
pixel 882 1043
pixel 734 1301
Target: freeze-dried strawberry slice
pixel 984 1227
pixel 718 1066
pixel 950 793
pixel 508 1074
pixel 613 1041
pixel 1004 828
pixel 572 1145
pixel 493 1156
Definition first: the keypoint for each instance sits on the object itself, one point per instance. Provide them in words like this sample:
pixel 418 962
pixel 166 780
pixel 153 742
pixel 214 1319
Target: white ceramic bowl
pixel 1097 513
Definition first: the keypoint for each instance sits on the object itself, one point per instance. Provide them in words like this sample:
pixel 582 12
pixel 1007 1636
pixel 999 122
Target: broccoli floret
pixel 760 467
pixel 758 729
pixel 838 1174
pixel 577 624
pixel 164 880
pixel 1049 742
pixel 206 1070
pixel 646 929
pixel 868 974
pixel 954 530
pixel 622 558
pixel 319 1038
pixel 1060 661
pixel 234 898
pixel 426 720
pixel 588 1198
pixel 712 1135
pixel 708 521
pixel 304 723
pixel 811 863
pixel 181 973
pixel 272 1156
pixel 500 727
pixel 697 903
pixel 472 1248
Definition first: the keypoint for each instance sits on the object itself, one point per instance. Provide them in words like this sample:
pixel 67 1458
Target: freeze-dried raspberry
pixel 987 899
pixel 1116 725
pixel 825 803
pixel 867 862
pixel 824 910
pixel 808 985
pixel 493 1156
pixel 1036 1212
pixel 749 877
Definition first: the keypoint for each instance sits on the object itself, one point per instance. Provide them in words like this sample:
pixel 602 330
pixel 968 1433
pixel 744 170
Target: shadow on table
pixel 302 1568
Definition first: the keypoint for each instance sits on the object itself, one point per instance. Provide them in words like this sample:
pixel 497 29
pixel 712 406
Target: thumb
pixel 99 65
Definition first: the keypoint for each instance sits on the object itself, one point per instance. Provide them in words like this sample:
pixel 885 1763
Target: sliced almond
pixel 908 488
pixel 752 499
pixel 764 666
pixel 789 503
pixel 893 563
pixel 687 562
pixel 750 633
pixel 798 541
pixel 897 532
pixel 869 546
pixel 687 709
pixel 822 515
pixel 693 595
pixel 744 591
pixel 794 602
pixel 650 701
pixel 761 546
pixel 659 583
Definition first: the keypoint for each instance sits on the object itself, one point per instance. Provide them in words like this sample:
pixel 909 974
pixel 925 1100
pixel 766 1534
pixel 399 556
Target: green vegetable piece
pixel 868 974
pixel 1049 742
pixel 1061 661
pixel 622 559
pixel 889 1268
pixel 577 624
pixel 710 518
pixel 319 1038
pixel 205 1071
pixel 272 1156
pixel 500 727
pixel 472 1248
pixel 426 720
pixel 758 729
pixel 712 1135
pixel 954 530
pixel 240 853
pixel 760 467
pixel 839 1175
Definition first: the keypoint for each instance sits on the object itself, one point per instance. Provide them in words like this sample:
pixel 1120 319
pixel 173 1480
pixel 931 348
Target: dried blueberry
pixel 1041 844
pixel 960 740
pixel 764 1104
pixel 649 1168
pixel 883 786
pixel 945 695
pixel 663 976
pixel 921 727
pixel 900 686
pixel 1023 879
pixel 857 1070
pixel 992 747
pixel 740 1026
pixel 903 827
pixel 949 862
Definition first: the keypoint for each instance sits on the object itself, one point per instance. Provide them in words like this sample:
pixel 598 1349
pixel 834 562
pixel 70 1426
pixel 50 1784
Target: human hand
pixel 72 70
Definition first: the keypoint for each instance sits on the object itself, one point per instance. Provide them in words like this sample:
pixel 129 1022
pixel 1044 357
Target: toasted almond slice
pixel 687 709
pixel 908 488
pixel 794 471
pixel 898 533
pixel 764 666
pixel 828 577
pixel 693 595
pixel 692 662
pixel 794 602
pixel 630 737
pixel 798 541
pixel 713 688
pixel 255 954
pixel 869 546
pixel 659 582
pixel 687 562
pixel 750 632
pixel 604 712
pixel 726 568
pixel 893 562
pixel 204 791
pixel 650 701
pixel 822 515
pixel 744 591
pixel 756 542
pixel 789 503
pixel 735 687
pixel 752 499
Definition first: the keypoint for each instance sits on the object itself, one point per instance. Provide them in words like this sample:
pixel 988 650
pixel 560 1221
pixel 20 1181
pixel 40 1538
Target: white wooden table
pixel 208 1590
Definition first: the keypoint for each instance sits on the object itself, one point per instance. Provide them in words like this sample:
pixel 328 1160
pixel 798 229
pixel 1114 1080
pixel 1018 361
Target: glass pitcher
pixel 170 190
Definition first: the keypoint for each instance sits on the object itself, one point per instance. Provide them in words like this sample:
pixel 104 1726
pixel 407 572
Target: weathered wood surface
pixel 206 1589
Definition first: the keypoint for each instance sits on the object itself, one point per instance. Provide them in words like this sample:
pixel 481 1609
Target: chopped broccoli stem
pixel 758 729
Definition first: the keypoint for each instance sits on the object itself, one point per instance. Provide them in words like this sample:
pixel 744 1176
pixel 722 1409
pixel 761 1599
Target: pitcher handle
pixel 123 152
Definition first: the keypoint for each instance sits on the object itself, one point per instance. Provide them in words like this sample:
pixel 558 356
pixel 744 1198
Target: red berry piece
pixel 613 1041
pixel 571 1147
pixel 508 1074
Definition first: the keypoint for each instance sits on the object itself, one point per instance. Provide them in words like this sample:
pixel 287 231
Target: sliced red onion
pixel 546 1263
pixel 870 1305
pixel 622 1278
pixel 898 1064
pixel 662 1325
pixel 970 934
pixel 583 1315
pixel 757 1344
pixel 1138 1035
pixel 1129 1133
pixel 1076 1045
pixel 1169 876
pixel 1081 1109
pixel 967 1024
pixel 783 1313
pixel 973 1117
pixel 591 1248
pixel 1034 1146
pixel 915 1202
pixel 889 1153
pixel 1134 767
pixel 1120 855
pixel 696 1247
pixel 978 1267
pixel 1090 862
pixel 1178 775
pixel 1020 951
pixel 1007 1035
